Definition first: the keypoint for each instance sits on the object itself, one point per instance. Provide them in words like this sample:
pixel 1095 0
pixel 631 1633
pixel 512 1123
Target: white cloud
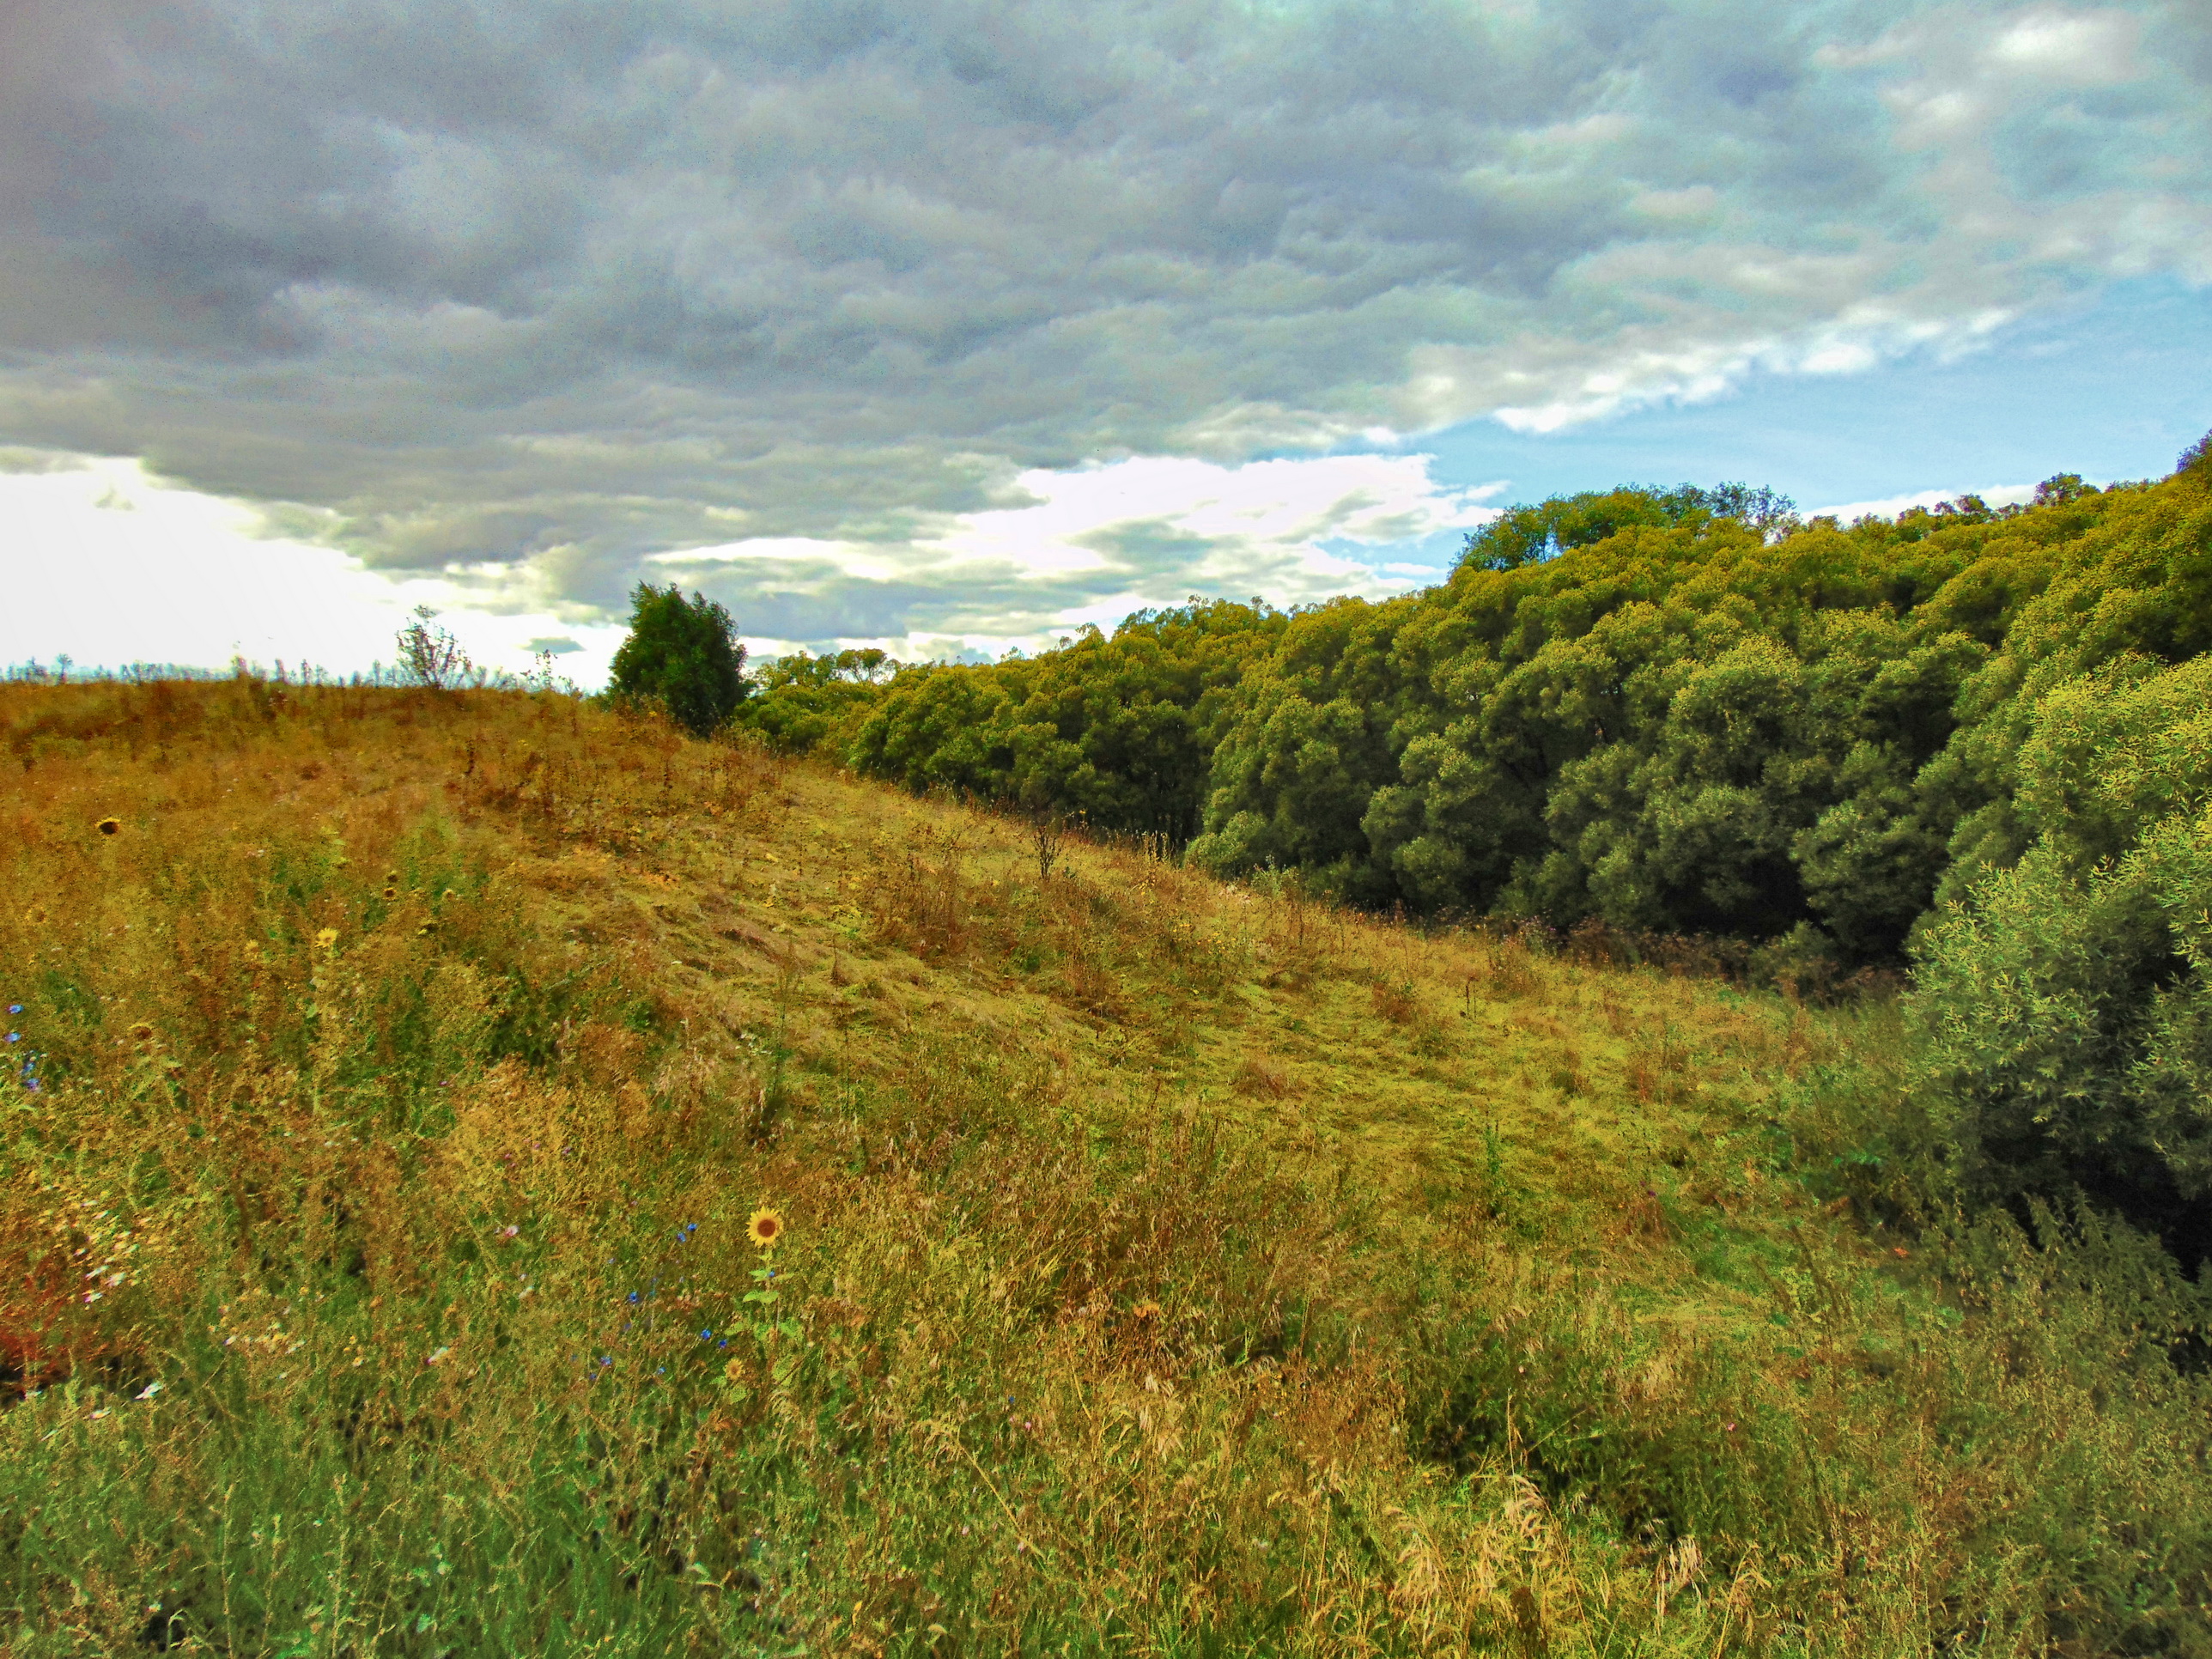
pixel 109 565
pixel 2092 47
pixel 1092 544
pixel 1890 506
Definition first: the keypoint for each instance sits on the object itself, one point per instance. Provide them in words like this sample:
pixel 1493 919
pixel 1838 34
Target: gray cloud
pixel 554 287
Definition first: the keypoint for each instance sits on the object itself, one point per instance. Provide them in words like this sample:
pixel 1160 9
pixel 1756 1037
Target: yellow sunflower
pixel 327 938
pixel 108 826
pixel 765 1227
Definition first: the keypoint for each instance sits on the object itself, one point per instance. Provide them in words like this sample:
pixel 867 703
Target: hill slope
pixel 1167 1266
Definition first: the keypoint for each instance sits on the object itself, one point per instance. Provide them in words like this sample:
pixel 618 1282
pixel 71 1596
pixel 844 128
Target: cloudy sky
pixel 949 325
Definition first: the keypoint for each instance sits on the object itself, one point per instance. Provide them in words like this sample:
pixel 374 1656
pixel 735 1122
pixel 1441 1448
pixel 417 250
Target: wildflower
pixel 765 1227
pixel 141 1031
pixel 14 1007
pixel 735 1371
pixel 1146 1312
pixel 707 1335
pixel 391 892
pixel 14 1036
pixel 108 826
pixel 326 937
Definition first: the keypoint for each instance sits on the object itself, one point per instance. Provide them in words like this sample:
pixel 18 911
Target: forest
pixel 1975 743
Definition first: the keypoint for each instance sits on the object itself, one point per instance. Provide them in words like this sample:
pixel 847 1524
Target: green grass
pixel 1171 1268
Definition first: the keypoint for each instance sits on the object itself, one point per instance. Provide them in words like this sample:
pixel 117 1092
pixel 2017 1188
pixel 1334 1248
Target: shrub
pixel 683 654
pixel 2065 1010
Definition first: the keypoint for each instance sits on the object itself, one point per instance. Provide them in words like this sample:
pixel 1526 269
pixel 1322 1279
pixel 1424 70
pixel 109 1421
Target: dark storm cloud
pixel 557 286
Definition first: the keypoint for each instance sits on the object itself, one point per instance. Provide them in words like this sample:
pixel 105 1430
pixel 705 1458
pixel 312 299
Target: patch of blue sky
pixel 2112 386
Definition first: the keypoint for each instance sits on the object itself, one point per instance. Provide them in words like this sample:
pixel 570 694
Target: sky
pixel 949 326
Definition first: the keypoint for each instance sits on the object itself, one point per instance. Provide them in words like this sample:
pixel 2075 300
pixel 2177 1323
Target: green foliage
pixel 804 704
pixel 1119 731
pixel 2066 1004
pixel 1693 724
pixel 682 654
pixel 1523 535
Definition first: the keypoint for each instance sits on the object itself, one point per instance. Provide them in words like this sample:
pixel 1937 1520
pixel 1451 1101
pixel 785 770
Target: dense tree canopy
pixel 1523 535
pixel 1119 731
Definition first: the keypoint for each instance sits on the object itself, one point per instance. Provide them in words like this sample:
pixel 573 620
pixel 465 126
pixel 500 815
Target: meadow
pixel 399 1083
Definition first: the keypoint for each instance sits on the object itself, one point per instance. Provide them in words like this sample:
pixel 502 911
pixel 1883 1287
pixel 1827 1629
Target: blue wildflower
pixel 707 1335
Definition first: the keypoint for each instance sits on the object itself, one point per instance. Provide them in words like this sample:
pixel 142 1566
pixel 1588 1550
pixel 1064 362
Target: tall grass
pixel 1170 1267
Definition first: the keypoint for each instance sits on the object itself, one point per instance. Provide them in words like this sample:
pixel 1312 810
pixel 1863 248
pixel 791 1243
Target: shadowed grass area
pixel 1169 1266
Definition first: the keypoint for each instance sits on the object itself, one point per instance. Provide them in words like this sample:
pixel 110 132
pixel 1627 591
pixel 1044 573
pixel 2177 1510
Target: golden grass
pixel 1166 1265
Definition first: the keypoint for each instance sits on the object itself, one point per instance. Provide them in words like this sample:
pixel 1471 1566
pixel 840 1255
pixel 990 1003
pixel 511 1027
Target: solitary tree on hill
pixel 683 654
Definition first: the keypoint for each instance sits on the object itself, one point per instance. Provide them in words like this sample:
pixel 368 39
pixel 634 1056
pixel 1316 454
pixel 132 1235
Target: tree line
pixel 1673 710
pixel 1973 741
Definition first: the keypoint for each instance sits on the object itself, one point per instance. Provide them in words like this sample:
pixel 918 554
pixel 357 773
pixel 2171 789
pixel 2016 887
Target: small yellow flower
pixel 326 939
pixel 108 826
pixel 738 1371
pixel 391 892
pixel 765 1228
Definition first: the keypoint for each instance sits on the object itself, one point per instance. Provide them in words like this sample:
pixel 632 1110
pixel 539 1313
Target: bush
pixel 2065 1010
pixel 683 654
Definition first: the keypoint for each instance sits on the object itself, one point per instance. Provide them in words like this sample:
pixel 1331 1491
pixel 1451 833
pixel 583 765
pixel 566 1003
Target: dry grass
pixel 1170 1268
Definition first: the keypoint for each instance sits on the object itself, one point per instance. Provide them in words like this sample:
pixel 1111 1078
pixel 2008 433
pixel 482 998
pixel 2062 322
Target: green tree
pixel 802 703
pixel 1120 732
pixel 684 655
pixel 1523 535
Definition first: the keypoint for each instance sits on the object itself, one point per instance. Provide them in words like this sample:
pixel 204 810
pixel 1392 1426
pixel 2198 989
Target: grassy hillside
pixel 1166 1267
